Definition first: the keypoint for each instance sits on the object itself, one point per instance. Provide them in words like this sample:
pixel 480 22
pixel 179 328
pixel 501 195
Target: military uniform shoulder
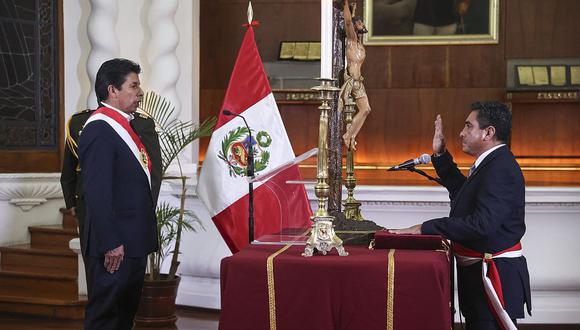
pixel 82 114
pixel 143 118
pixel 85 111
pixel 79 117
pixel 142 115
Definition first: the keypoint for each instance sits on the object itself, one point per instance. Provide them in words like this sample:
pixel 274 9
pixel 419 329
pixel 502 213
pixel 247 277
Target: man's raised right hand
pixel 438 137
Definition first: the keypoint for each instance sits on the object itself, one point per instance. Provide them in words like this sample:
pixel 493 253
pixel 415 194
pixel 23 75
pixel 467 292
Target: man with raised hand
pixel 486 221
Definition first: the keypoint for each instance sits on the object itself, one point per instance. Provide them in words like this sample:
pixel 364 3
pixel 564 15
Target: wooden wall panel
pixel 222 32
pixel 301 124
pixel 540 132
pixel 411 67
pixel 435 67
pixel 409 85
pixel 477 66
pixel 400 125
pixel 210 104
pixel 30 161
pixel 541 29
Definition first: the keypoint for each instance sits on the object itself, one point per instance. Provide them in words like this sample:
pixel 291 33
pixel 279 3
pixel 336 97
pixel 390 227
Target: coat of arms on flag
pixel 223 185
pixel 236 145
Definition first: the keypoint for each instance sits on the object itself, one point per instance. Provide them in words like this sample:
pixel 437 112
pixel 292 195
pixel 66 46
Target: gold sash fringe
pixel 271 290
pixel 390 289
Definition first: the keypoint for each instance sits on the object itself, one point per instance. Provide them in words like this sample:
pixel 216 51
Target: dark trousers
pixel 114 298
pixel 87 276
pixel 483 324
pixel 80 216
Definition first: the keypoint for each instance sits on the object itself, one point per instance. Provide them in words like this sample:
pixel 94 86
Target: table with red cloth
pixel 274 287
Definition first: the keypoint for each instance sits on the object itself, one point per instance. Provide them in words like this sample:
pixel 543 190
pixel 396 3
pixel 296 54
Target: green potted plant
pixel 160 290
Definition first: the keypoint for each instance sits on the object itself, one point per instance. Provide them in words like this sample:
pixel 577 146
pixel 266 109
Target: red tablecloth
pixel 332 292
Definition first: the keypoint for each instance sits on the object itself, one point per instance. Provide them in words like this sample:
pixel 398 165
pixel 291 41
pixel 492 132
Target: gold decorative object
pixel 301 50
pixel 287 50
pixel 540 75
pixel 322 236
pixel 351 205
pixel 525 75
pixel 558 75
pixel 314 51
pixel 575 75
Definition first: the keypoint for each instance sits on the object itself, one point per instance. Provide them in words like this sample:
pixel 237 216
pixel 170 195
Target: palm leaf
pixel 174 137
pixel 167 224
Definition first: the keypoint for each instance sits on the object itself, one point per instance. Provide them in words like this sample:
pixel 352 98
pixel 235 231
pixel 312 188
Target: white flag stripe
pixel 230 189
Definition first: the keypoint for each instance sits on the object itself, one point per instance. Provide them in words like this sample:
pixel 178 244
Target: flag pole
pixel 250 158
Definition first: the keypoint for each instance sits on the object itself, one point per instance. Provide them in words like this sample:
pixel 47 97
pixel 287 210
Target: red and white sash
pixel 121 126
pixel 491 279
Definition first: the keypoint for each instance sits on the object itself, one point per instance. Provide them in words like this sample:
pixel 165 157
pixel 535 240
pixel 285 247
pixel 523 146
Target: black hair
pixel 496 114
pixel 113 72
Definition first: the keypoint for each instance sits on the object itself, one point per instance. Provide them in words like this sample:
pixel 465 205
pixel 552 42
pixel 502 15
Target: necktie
pixel 471 170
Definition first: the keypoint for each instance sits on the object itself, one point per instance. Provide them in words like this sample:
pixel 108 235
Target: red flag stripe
pixel 248 83
pixel 277 206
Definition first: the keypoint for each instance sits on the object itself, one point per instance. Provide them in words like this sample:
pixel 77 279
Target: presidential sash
pixel 121 126
pixel 491 280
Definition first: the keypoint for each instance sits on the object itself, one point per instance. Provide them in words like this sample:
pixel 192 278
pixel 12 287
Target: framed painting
pixel 431 22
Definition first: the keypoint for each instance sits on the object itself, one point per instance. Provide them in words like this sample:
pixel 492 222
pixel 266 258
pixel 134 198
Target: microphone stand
pixel 249 174
pixel 413 169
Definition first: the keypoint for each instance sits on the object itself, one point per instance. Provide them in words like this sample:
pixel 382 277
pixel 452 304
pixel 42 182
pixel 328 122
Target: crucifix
pixel 332 67
pixel 336 42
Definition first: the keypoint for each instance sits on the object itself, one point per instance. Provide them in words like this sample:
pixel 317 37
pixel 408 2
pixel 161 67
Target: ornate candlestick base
pixel 323 238
pixel 352 210
pixel 351 205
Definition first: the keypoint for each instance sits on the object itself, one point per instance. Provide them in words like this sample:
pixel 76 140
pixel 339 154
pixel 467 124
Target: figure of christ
pixel 353 79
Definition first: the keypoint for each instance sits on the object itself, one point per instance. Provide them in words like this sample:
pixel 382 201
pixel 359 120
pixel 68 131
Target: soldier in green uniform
pixel 71 179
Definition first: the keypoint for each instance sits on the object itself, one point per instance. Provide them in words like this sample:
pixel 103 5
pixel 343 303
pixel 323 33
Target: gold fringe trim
pixel 390 289
pixel 271 290
pixel 72 145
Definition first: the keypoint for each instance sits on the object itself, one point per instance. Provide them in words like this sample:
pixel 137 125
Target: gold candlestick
pixel 351 205
pixel 322 236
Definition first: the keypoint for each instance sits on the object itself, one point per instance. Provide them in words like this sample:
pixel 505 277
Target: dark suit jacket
pixel 487 215
pixel 120 208
pixel 71 178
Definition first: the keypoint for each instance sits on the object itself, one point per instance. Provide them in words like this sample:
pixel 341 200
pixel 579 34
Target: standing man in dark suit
pixel 71 178
pixel 120 225
pixel 486 221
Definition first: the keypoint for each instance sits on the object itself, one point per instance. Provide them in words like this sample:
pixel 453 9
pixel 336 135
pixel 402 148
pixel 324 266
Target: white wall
pixel 132 31
pixel 27 200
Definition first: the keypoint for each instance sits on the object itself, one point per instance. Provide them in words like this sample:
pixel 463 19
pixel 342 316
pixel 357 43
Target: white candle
pixel 326 39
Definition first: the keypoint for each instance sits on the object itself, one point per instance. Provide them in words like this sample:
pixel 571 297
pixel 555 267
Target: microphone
pixel 423 159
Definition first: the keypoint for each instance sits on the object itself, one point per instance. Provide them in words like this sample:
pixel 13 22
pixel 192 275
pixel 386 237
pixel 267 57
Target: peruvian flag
pixel 223 185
